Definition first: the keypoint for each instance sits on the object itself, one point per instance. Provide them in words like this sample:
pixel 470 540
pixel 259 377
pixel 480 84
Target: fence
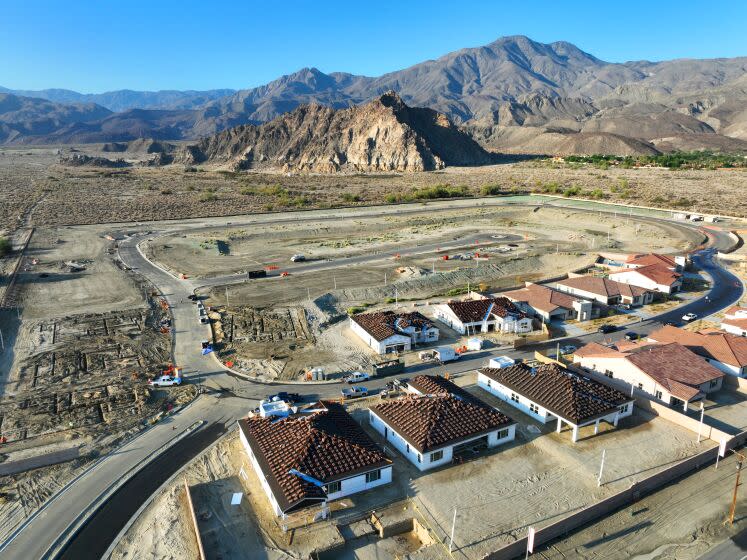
pixel 614 502
pixel 193 517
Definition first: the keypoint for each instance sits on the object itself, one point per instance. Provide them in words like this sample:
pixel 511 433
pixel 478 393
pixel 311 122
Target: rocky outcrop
pixel 83 160
pixel 383 135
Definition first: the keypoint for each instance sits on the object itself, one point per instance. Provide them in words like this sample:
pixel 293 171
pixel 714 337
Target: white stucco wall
pixel 423 460
pixel 733 329
pixel 358 483
pixel 504 393
pixel 260 474
pixel 379 346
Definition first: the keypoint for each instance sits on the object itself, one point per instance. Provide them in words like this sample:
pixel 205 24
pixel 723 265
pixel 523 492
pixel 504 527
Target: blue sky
pixel 94 46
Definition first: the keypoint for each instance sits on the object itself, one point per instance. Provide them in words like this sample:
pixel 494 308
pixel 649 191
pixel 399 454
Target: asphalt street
pixel 228 397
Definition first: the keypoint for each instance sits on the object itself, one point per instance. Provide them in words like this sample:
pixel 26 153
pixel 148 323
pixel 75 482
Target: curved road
pixel 228 398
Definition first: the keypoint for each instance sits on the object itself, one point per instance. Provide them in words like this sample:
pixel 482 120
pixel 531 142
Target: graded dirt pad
pixel 530 230
pixel 72 270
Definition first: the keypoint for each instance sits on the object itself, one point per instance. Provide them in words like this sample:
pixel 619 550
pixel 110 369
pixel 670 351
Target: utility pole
pixel 740 459
pixel 2 342
pixel 700 426
pixel 334 279
pixel 601 468
pixel 308 293
pixel 227 304
pixel 453 524
pixel 385 278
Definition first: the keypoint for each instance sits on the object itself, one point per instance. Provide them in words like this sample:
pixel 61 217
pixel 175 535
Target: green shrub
pixel 491 190
pixel 208 197
pixel 347 197
pixel 5 246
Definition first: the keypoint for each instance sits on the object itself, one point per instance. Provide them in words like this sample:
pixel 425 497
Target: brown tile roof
pixel 739 323
pixel 436 420
pixel 672 365
pixel 438 385
pixel 656 272
pixel 562 392
pixel 734 310
pixel 327 445
pixel 651 258
pixel 722 347
pixel 384 324
pixel 542 298
pixel 596 350
pixel 474 311
pixel 603 286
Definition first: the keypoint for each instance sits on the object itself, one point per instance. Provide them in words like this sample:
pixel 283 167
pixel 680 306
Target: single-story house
pixel 668 372
pixel 312 457
pixel 550 392
pixel 655 277
pixel 724 351
pixel 676 263
pixel 430 429
pixel 735 321
pixel 550 305
pixel 389 332
pixel 484 315
pixel 605 291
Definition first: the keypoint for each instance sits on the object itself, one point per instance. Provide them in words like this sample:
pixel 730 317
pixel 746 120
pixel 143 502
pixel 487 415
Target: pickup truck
pixel 354 392
pixel 284 396
pixel 356 377
pixel 165 381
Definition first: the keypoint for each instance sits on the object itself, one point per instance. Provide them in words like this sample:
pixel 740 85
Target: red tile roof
pixel 658 273
pixel 651 258
pixel 673 365
pixel 384 324
pixel 739 323
pixel 542 298
pixel 562 392
pixel 603 286
pixel 326 445
pixel 722 347
pixel 474 311
pixel 437 420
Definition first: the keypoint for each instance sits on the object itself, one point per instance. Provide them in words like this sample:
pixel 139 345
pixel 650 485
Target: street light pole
pixel 700 426
pixel 740 458
pixel 453 524
pixel 601 468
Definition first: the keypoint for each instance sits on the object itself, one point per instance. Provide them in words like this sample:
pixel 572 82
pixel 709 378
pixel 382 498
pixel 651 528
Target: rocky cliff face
pixel 383 135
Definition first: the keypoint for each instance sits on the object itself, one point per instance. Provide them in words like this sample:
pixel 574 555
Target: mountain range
pixel 513 95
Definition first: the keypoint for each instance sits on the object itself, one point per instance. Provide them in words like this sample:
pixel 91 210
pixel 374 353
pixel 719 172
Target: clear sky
pixel 99 45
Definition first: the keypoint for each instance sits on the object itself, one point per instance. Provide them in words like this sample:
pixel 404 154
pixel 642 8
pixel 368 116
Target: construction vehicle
pixel 257 274
pixel 388 368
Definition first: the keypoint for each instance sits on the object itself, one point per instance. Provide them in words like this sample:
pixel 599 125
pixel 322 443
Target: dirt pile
pixel 383 135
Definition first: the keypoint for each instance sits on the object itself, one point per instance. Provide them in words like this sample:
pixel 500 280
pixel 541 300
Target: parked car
pixel 298 258
pixel 356 377
pixel 567 349
pixel 630 335
pixel 354 392
pixel 284 396
pixel 606 328
pixel 165 381
pixel 689 317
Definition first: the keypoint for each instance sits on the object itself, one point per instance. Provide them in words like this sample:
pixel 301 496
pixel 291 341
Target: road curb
pixel 158 490
pixel 82 518
pixel 88 469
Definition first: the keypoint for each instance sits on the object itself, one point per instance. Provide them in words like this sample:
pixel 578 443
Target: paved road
pixel 230 397
pixel 733 549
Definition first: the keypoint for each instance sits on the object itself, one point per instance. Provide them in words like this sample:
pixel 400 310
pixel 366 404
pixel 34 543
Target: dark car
pixel 284 396
pixel 630 335
pixel 607 328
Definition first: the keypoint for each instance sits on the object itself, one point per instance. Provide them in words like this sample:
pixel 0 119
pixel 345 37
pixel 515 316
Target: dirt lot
pixel 88 195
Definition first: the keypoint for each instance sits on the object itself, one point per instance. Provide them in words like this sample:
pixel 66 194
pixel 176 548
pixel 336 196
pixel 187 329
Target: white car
pixel 165 381
pixel 689 317
pixel 356 377
pixel 298 258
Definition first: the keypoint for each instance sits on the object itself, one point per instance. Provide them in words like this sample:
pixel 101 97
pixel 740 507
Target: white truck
pixel 356 377
pixel 441 354
pixel 165 381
